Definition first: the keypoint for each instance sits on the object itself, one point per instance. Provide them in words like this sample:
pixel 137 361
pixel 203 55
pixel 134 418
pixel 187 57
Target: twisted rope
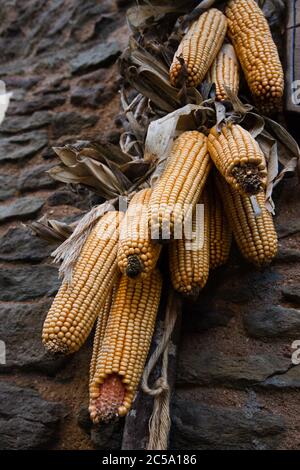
pixel 160 422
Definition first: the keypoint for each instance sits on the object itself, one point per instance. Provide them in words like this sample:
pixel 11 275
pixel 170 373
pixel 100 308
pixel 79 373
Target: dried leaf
pixel 220 112
pixel 196 12
pixel 270 150
pixel 95 165
pixel 253 123
pixel 239 107
pixel 107 179
pixel 62 228
pixel 67 155
pixel 136 128
pixel 122 179
pixel 273 10
pixel 67 175
pixel 154 12
pixel 128 143
pixel 275 151
pixel 290 167
pixel 208 90
pixel 285 138
pixel 133 170
pixel 150 77
pixel 105 150
pixel 162 132
pixel 156 88
pixel 51 230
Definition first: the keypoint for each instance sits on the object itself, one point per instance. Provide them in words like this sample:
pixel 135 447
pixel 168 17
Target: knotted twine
pixel 160 422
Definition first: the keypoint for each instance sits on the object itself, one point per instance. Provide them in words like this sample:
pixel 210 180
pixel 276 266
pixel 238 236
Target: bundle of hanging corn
pixel 199 149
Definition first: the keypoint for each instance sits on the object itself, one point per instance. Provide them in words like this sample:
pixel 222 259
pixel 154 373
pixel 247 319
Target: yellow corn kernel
pixel 77 305
pixel 238 158
pixel 101 328
pixel 219 230
pixel 224 72
pixel 137 254
pixel 199 47
pixel 252 39
pixel 254 234
pixel 189 258
pixel 180 185
pixel 125 346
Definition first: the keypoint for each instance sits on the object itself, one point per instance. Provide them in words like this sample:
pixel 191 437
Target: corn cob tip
pixel 238 158
pixel 248 178
pixel 108 405
pixel 134 266
pixel 193 293
pixel 137 254
pixel 56 347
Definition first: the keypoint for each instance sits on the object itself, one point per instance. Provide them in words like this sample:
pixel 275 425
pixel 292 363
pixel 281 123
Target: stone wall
pixel 236 387
pixel 58 58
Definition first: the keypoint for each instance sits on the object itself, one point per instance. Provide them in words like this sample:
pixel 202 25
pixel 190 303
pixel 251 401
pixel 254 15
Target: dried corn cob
pixel 257 52
pixel 101 328
pixel 137 254
pixel 255 234
pixel 122 355
pixel 180 184
pixel 189 259
pixel 77 305
pixel 219 230
pixel 224 72
pixel 199 47
pixel 238 157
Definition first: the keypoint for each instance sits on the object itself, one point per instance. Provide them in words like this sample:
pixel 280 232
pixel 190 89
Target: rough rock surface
pixel 19 244
pixel 7 188
pixel 69 91
pixel 15 124
pixel 20 328
pixel 197 426
pixel 202 367
pixel 274 322
pixel 71 123
pixel 34 178
pixel 21 208
pixel 95 57
pixel 20 146
pixel 27 421
pixel 28 282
